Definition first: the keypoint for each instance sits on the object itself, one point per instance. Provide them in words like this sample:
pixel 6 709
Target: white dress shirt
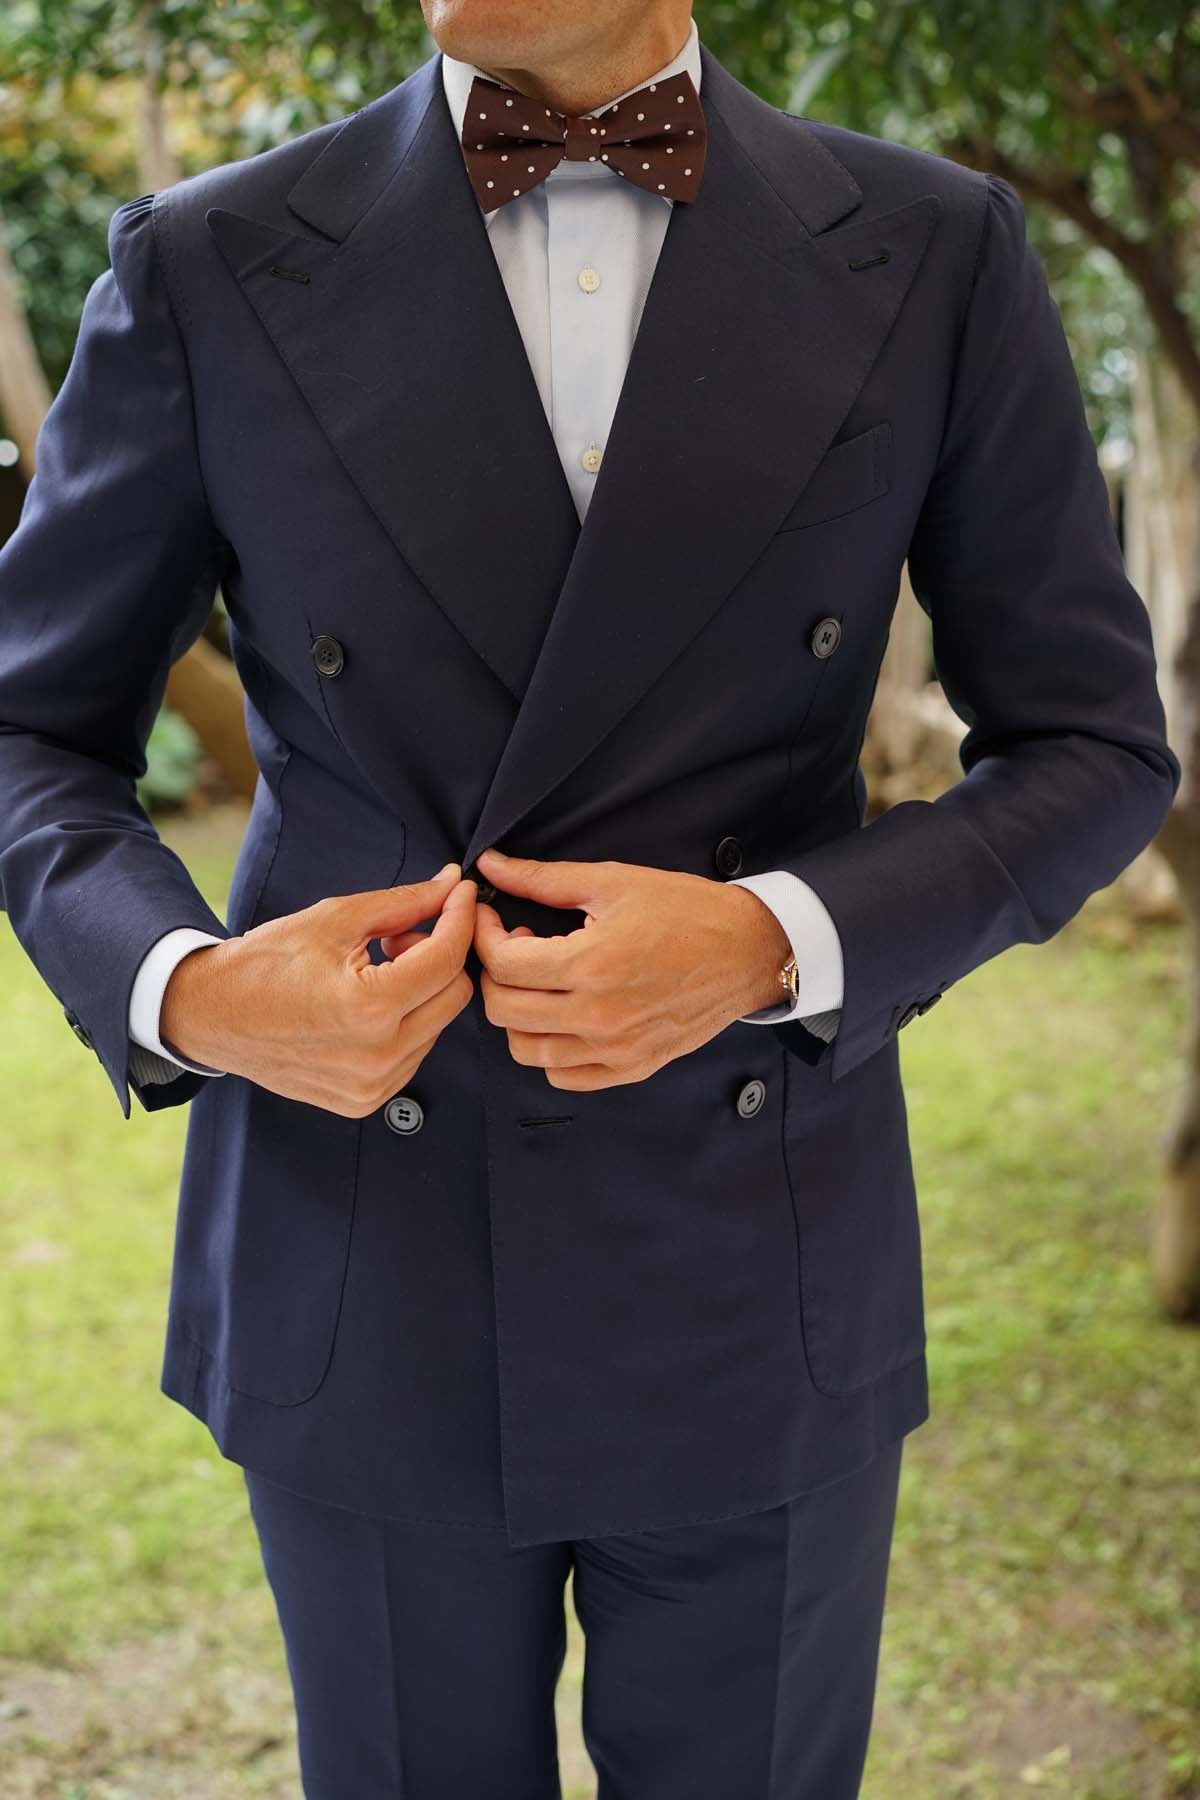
pixel 577 253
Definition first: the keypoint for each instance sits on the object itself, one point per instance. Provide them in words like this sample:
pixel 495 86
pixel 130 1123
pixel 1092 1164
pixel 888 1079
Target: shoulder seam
pixel 985 225
pixel 164 249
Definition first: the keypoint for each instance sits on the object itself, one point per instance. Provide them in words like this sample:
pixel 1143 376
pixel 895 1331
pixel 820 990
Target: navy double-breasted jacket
pixel 554 1313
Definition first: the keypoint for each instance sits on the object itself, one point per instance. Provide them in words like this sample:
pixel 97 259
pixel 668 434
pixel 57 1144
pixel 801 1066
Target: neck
pixel 583 82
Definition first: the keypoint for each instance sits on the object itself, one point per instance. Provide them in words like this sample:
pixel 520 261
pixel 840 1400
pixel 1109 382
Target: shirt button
pixel 592 458
pixel 589 280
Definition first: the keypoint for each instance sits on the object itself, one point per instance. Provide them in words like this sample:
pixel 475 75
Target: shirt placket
pixel 583 324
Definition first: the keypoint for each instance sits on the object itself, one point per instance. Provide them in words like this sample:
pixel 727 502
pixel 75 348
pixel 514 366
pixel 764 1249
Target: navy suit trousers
pixel 730 1660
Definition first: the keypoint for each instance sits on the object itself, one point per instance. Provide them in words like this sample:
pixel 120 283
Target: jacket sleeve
pixel 813 938
pixel 108 578
pixel 1043 648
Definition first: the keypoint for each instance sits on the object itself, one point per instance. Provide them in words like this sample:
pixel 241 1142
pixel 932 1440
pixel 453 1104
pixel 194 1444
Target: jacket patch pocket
pixel 851 474
pixel 847 1152
pixel 266 1210
pixel 280 1211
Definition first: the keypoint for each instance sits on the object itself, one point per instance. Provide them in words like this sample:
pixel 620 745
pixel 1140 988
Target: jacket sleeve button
pixel 908 1015
pixel 327 655
pixel 81 1031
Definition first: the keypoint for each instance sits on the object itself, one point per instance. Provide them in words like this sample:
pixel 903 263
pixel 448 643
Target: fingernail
pixel 446 869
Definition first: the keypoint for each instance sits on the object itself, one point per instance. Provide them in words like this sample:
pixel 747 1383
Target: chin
pixel 502 33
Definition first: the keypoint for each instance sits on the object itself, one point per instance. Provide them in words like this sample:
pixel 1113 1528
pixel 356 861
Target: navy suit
pixel 569 1314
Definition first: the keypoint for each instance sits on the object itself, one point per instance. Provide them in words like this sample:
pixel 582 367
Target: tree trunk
pixel 158 166
pixel 1175 1226
pixel 893 725
pixel 1175 1229
pixel 204 688
pixel 24 390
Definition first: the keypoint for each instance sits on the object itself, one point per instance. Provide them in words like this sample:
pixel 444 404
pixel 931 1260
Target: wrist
pixel 192 1008
pixel 764 948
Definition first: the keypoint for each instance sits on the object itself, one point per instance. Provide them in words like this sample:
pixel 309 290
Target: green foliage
pixel 172 762
pixel 1047 85
pixel 756 40
pixel 1043 83
pixel 56 211
pixel 295 63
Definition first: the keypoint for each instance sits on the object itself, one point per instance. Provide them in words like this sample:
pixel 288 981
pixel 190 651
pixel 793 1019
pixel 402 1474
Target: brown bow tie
pixel 656 138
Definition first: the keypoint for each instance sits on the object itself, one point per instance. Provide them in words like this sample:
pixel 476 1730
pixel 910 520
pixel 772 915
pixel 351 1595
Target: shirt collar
pixel 458 76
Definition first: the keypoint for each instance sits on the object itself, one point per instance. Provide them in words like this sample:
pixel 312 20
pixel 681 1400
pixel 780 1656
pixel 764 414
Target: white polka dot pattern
pixel 548 138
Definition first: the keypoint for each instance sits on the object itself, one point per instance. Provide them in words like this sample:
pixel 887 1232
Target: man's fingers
pixel 586 1077
pixel 573 884
pixel 429 965
pixel 491 928
pixel 528 1009
pixel 550 1049
pixel 420 1027
pixel 358 917
pixel 520 958
pixel 394 944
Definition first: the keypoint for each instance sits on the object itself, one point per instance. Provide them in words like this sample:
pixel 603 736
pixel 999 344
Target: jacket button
pixel 728 856
pixel 487 891
pixel 404 1114
pixel 826 637
pixel 81 1031
pixel 750 1099
pixel 926 1004
pixel 908 1015
pixel 327 656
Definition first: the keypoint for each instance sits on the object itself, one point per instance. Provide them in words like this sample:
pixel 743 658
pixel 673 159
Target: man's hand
pixel 298 1006
pixel 663 963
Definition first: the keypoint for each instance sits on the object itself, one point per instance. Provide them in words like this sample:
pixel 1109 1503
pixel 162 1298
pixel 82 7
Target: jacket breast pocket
pixel 852 473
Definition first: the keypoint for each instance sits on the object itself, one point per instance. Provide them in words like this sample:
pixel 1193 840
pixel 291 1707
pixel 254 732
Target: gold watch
pixel 789 978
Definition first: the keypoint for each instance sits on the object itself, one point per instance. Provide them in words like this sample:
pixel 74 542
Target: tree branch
pixel 1069 194
pixel 1152 109
pixel 1134 105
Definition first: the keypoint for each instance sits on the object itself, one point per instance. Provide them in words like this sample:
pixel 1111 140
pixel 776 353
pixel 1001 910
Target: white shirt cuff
pixel 145 1002
pixel 815 944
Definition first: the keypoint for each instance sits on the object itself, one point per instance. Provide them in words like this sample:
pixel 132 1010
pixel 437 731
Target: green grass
pixel 1045 1592
pixel 1043 1628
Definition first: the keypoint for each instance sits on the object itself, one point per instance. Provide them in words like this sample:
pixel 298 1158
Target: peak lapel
pixel 754 341
pixel 404 344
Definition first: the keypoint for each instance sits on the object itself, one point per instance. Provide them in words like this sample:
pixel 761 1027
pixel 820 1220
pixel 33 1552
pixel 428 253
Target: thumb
pixel 394 944
pixel 572 884
pixel 385 911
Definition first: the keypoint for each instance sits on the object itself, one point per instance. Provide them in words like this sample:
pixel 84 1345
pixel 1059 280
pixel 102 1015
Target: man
pixel 557 427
